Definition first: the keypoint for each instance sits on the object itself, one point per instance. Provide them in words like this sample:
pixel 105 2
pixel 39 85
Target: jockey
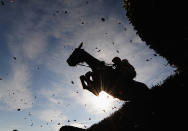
pixel 124 68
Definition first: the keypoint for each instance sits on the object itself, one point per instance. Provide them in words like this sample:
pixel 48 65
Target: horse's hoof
pixel 70 128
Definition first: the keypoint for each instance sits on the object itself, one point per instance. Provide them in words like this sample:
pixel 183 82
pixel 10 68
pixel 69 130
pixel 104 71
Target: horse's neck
pixel 91 61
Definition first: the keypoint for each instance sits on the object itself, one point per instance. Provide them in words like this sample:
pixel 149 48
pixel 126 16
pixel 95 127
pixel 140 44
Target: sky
pixel 36 38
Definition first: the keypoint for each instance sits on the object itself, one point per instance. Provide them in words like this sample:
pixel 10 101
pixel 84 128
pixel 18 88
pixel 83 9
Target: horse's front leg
pixel 89 84
pixel 83 79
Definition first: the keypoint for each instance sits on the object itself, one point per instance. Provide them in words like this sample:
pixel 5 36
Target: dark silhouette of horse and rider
pixel 116 79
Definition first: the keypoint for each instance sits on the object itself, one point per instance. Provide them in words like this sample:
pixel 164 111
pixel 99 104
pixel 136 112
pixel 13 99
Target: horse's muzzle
pixel 70 63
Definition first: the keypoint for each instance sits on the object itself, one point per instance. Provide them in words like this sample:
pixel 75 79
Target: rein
pixel 82 65
pixel 88 66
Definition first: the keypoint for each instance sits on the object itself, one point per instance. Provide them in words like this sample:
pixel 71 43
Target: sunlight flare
pixel 104 101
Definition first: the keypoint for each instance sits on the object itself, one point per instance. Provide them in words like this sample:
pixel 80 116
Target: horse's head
pixel 76 57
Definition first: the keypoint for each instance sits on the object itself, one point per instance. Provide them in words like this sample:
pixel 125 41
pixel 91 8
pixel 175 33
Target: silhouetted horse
pixel 105 78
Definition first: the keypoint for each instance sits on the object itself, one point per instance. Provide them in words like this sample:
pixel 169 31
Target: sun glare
pixel 104 101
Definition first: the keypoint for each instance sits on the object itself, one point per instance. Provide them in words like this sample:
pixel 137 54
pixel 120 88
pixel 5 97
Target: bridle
pixel 82 65
pixel 89 66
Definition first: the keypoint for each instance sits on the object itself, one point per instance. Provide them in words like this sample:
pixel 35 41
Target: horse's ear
pixel 81 44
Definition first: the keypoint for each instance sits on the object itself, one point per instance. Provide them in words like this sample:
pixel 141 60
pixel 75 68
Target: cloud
pixel 28 45
pixel 79 125
pixel 14 92
pixel 54 115
pixel 55 94
pixel 34 45
pixel 100 106
pixel 55 118
pixel 77 97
